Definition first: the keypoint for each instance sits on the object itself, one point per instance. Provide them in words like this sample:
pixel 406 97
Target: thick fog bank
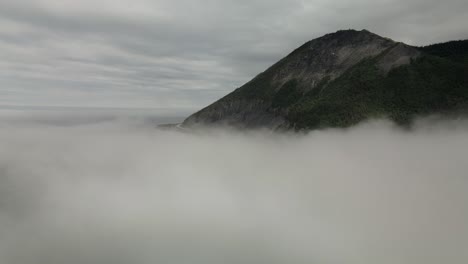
pixel 119 192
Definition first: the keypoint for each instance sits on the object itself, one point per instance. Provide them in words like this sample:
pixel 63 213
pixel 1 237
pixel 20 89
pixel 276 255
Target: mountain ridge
pixel 302 90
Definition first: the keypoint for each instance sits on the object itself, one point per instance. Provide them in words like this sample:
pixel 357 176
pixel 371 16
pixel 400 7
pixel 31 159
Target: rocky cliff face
pixel 275 97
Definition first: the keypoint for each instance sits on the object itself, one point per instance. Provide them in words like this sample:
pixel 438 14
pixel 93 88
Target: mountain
pixel 343 78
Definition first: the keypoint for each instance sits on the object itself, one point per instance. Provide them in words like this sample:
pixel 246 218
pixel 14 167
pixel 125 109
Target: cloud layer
pixel 116 191
pixel 181 54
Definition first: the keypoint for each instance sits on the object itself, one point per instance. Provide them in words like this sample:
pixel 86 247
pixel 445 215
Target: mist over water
pixel 117 190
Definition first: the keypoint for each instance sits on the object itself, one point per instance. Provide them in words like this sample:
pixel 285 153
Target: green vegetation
pixel 429 84
pixel 288 94
pixel 453 50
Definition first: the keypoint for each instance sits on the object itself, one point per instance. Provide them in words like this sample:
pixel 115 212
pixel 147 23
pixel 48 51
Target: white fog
pixel 120 191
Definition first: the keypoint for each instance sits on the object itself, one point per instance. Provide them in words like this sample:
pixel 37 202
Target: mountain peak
pixel 351 32
pixel 350 36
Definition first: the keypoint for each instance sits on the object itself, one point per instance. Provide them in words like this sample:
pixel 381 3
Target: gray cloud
pixel 181 54
pixel 117 191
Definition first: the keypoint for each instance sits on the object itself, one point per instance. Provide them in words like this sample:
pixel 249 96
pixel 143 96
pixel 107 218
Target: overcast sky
pixel 182 54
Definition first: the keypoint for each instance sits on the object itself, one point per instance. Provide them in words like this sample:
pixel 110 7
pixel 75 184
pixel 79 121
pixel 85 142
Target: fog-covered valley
pixel 118 190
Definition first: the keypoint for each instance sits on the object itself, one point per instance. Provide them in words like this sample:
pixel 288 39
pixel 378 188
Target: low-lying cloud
pixel 117 191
